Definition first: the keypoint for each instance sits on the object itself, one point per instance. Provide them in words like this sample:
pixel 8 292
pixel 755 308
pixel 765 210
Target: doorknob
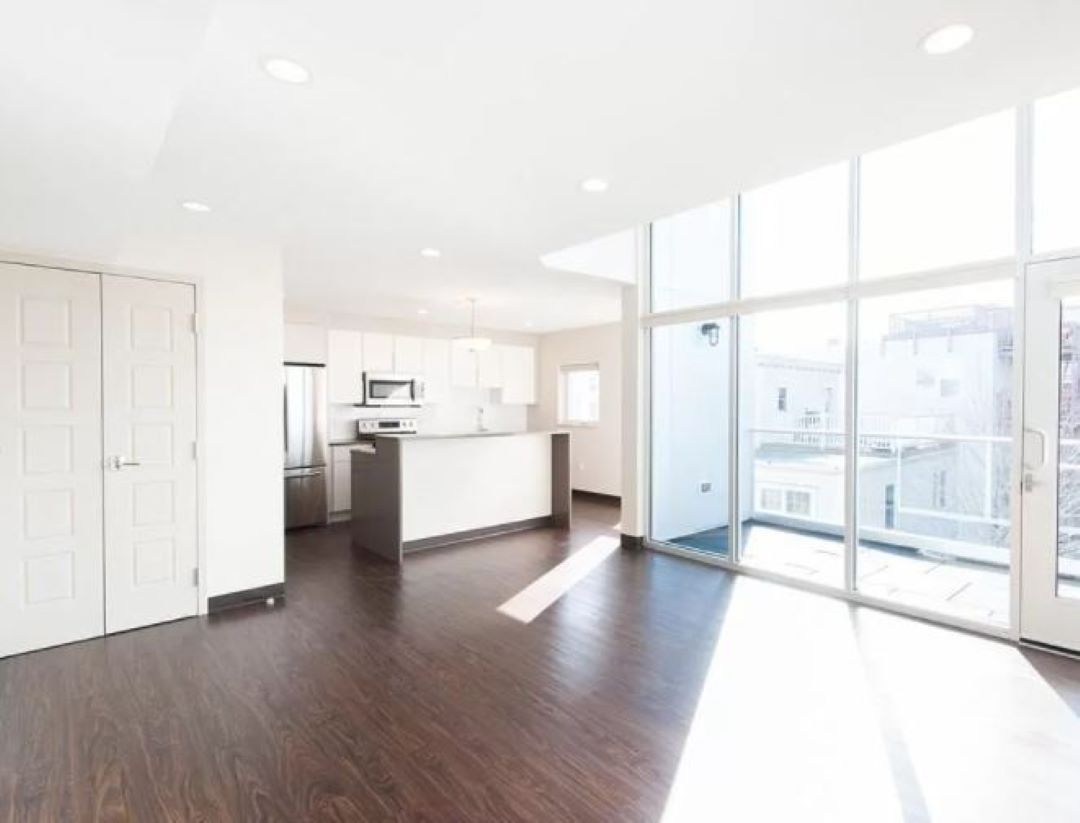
pixel 1029 481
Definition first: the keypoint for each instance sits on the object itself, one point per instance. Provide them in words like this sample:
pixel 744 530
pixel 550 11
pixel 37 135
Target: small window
pixel 580 395
pixel 797 503
pixel 781 400
pixel 772 500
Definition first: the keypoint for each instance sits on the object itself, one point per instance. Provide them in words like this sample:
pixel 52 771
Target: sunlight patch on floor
pixel 531 601
pixel 785 727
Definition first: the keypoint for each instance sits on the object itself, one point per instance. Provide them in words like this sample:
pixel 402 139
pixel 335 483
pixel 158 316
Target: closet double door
pixel 98 480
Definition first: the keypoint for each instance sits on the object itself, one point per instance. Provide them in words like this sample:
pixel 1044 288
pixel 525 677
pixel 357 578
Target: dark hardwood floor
pixel 656 688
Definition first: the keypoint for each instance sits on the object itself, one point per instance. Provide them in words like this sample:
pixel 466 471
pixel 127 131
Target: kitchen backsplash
pixel 454 415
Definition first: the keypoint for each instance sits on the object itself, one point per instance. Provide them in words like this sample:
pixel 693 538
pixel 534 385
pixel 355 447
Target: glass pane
pixel 1057 172
pixel 941 200
pixel 794 234
pixel 691 258
pixel 791 443
pixel 582 387
pixel 1068 580
pixel 690 420
pixel 935 398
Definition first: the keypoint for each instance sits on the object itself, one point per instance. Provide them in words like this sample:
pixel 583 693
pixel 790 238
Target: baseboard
pixel 476 534
pixel 631 541
pixel 246 597
pixel 598 497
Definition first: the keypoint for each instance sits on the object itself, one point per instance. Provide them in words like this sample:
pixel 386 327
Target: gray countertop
pixel 467 435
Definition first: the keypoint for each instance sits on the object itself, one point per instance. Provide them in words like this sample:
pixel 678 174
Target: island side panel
pixel 460 485
pixel 376 499
pixel 561 494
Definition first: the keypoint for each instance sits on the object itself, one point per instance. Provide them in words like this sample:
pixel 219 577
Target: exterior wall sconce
pixel 712 332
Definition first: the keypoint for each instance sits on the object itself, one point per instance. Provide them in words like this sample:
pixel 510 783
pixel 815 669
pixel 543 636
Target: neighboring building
pixel 935 435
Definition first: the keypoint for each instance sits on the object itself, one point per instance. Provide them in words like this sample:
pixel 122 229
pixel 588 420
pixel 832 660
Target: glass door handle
pixel 1028 483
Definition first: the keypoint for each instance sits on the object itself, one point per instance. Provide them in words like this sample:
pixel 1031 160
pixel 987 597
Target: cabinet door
pixel 341 479
pixel 462 367
pixel 345 366
pixel 378 352
pixel 342 482
pixel 489 368
pixel 436 370
pixel 409 355
pixel 519 375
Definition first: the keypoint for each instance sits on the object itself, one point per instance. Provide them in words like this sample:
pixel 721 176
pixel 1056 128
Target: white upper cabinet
pixel 436 369
pixel 408 355
pixel 378 352
pixel 305 343
pixel 518 375
pixel 489 368
pixel 345 366
pixel 462 367
pixel 510 369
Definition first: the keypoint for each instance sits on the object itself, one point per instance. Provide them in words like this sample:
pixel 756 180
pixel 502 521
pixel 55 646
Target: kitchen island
pixel 412 492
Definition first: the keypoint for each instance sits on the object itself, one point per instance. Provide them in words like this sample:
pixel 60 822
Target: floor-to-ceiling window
pixel 833 365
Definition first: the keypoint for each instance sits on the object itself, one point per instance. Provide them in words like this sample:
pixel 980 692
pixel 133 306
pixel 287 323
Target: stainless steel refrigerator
pixel 305 445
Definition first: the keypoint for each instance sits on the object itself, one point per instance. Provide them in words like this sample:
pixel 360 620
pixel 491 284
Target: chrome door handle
pixel 117 462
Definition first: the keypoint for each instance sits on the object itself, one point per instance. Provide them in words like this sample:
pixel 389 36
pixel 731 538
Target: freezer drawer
pixel 305 498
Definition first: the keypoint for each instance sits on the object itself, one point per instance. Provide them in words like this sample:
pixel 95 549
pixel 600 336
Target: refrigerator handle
pixel 285 419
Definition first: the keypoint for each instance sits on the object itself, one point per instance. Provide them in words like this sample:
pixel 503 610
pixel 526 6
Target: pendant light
pixel 473 342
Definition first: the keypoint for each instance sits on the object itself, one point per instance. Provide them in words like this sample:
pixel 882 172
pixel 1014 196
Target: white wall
pixel 245 520
pixel 306 332
pixel 596 451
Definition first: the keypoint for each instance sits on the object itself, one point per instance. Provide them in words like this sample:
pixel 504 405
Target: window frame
pixel 1011 268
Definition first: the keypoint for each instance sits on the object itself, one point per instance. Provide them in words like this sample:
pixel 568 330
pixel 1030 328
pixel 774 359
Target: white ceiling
pixel 463 125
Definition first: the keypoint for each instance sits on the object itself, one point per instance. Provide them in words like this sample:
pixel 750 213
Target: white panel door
pixel 148 358
pixel 50 458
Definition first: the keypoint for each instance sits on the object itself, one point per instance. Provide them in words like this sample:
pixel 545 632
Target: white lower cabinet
pixel 341 479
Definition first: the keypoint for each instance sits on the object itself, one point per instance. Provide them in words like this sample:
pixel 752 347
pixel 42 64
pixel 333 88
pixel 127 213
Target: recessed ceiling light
pixel 948 39
pixel 528 324
pixel 421 311
pixel 285 70
pixel 594 185
pixel 195 206
pixel 429 252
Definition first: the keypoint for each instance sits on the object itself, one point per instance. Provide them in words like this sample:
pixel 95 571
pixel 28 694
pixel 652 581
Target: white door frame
pixel 49 262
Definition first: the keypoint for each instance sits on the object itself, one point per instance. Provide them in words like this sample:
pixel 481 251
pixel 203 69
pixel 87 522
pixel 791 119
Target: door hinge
pixel 194 323
pixel 194 450
pixel 195 576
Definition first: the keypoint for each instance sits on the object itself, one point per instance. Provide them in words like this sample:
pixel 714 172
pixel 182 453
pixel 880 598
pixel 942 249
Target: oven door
pixel 391 390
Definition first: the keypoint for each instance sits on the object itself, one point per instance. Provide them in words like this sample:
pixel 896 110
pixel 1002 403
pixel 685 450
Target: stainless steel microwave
pixel 393 390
